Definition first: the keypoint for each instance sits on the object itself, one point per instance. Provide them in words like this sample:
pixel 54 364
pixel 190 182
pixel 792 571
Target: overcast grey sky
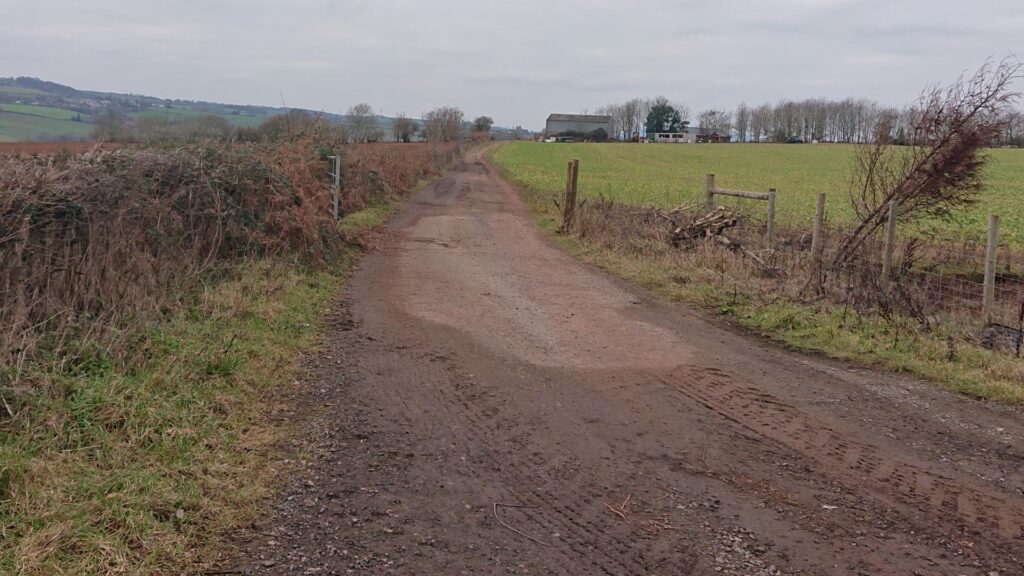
pixel 515 60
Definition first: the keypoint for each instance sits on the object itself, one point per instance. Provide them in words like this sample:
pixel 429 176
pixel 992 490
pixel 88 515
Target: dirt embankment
pixel 485 404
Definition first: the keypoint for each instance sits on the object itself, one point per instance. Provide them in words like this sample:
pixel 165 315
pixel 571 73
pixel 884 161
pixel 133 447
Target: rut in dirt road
pixel 485 404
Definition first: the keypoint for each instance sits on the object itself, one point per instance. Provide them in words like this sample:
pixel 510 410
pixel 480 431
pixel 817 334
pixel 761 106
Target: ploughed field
pixel 668 175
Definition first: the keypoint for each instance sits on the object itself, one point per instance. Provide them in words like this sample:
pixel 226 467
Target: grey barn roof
pixel 578 118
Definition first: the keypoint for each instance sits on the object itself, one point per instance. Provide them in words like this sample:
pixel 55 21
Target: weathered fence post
pixel 890 244
pixel 771 216
pixel 336 196
pixel 989 294
pixel 575 178
pixel 709 199
pixel 819 217
pixel 571 186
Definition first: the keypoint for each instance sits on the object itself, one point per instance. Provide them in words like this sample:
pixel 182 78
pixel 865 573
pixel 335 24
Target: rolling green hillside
pixel 43 111
pixel 37 110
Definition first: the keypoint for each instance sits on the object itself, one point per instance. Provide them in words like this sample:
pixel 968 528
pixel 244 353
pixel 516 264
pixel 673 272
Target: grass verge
pixel 142 470
pixel 836 331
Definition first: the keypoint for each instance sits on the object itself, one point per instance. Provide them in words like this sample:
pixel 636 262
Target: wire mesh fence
pixel 926 275
pixel 978 282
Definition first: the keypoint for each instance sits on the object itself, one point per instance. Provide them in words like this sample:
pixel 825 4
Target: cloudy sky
pixel 514 60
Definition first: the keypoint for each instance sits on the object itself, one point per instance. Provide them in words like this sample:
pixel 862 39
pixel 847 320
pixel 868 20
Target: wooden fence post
pixel 571 186
pixel 771 216
pixel 989 294
pixel 575 178
pixel 819 217
pixel 890 244
pixel 709 199
pixel 336 209
pixel 565 197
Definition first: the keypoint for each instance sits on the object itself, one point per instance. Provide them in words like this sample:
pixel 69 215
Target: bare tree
pixel 403 129
pixel 742 118
pixel 641 108
pixel 112 126
pixel 362 122
pixel 443 123
pixel 630 124
pixel 940 171
pixel 760 122
pixel 714 122
pixel 685 114
pixel 1013 129
pixel 630 117
pixel 618 122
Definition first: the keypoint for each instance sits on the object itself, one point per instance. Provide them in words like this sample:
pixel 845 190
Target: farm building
pixel 713 136
pixel 685 136
pixel 578 123
pixel 691 134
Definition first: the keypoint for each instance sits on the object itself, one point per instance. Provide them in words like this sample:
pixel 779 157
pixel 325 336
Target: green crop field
pixel 26 122
pixel 42 111
pixel 17 127
pixel 177 114
pixel 668 175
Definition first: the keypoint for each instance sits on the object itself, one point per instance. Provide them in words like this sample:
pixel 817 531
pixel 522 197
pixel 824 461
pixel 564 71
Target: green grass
pixel 898 344
pixel 18 127
pixel 176 114
pixel 374 215
pixel 26 122
pixel 143 469
pixel 670 175
pixel 42 111
pixel 147 469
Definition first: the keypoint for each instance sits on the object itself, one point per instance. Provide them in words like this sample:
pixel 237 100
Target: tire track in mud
pixel 971 507
pixel 475 415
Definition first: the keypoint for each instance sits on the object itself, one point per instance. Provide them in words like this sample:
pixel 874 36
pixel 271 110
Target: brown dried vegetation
pixel 939 172
pixel 96 241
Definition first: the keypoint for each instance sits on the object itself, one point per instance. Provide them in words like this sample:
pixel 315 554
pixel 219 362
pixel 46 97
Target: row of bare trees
pixel 817 119
pixel 632 118
pixel 1012 132
pixel 851 120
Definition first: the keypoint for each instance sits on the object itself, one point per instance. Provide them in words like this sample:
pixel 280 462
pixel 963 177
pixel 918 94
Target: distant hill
pixel 37 110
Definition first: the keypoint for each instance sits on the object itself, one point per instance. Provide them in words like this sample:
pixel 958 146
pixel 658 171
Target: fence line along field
pixel 669 175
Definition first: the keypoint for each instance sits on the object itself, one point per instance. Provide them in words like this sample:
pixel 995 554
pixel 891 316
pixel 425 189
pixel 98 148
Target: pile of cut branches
pixel 700 227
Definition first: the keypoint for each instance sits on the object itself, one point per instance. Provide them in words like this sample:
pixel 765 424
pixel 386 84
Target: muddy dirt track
pixel 485 404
